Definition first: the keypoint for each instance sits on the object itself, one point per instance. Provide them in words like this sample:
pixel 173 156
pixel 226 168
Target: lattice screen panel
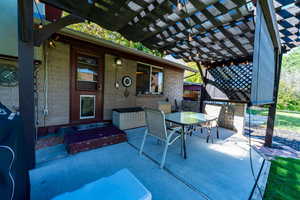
pixel 288 17
pixel 198 30
pixel 234 81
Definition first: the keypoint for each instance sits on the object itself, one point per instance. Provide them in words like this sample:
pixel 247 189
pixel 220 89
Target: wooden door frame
pixel 88 51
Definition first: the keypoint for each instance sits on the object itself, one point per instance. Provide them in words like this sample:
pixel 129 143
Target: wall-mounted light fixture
pixel 51 43
pixel 118 64
pixel 118 61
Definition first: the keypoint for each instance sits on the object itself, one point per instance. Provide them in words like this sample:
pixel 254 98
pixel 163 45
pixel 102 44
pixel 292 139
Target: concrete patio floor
pixel 211 171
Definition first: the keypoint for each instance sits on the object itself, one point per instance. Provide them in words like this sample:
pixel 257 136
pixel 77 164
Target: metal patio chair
pixel 156 127
pixel 214 111
pixel 211 110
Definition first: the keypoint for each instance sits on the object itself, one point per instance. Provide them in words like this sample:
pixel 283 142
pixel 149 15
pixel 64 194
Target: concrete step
pixel 50 153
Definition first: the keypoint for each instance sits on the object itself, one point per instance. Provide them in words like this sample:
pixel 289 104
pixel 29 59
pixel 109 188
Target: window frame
pixel 80 109
pixel 163 84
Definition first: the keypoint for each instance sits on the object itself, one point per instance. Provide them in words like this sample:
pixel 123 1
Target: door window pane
pixel 87 73
pixel 87 106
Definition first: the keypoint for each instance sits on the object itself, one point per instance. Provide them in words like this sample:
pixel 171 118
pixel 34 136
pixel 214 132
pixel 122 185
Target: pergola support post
pixel 40 35
pixel 202 94
pixel 272 107
pixel 26 159
pixel 26 78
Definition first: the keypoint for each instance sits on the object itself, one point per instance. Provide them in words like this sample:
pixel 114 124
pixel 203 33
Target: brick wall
pixel 59 80
pixel 58 87
pixel 173 89
pixel 239 117
pixel 174 85
pixel 9 96
pixel 114 98
pixel 232 116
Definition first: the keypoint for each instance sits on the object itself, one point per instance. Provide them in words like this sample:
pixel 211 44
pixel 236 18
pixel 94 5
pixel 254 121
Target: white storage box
pixel 127 118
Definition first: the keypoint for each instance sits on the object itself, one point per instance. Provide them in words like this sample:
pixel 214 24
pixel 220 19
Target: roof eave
pixel 105 43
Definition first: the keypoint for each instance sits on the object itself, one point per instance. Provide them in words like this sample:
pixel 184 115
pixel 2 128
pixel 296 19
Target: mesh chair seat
pixel 156 127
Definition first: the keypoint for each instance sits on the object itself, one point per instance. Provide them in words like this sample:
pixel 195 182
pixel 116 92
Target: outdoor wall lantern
pixel 118 61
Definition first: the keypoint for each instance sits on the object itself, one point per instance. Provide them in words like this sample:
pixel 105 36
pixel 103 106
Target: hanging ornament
pixel 190 37
pixel 52 44
pixel 179 5
pixel 40 26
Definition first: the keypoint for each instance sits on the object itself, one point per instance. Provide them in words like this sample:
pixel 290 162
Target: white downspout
pixel 45 111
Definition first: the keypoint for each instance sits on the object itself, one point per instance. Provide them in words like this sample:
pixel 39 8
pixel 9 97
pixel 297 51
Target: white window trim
pixel 157 67
pixel 89 117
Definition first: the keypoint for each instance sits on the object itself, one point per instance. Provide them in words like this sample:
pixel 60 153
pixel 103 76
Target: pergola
pixel 219 35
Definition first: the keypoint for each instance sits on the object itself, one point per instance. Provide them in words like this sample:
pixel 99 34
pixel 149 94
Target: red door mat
pixel 93 138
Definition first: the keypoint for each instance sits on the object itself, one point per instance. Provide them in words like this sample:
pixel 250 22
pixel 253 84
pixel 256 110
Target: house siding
pixel 173 90
pixel 9 96
pixel 114 98
pixel 59 87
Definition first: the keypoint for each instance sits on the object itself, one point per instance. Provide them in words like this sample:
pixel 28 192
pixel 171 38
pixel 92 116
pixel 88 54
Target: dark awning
pixel 196 30
pixel 207 30
pixel 193 87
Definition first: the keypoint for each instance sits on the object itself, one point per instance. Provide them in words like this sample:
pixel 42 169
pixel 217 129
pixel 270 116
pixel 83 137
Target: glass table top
pixel 189 118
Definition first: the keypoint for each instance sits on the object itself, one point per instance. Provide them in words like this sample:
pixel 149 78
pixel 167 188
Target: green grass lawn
pixel 284 180
pixel 284 120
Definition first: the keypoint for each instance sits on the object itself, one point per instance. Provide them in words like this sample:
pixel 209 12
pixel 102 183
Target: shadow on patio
pixel 211 171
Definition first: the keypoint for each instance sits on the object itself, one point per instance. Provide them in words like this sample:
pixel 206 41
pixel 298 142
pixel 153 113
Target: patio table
pixel 185 119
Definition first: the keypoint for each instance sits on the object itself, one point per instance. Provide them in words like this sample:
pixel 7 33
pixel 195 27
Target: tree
pixel 291 60
pixel 287 98
pixel 195 78
pixel 99 32
pixel 289 88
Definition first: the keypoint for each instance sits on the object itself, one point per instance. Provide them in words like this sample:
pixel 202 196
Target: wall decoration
pixel 8 75
pixel 126 93
pixel 127 81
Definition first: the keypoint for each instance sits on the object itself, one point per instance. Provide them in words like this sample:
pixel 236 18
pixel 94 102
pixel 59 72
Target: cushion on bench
pixel 127 110
pixel 122 185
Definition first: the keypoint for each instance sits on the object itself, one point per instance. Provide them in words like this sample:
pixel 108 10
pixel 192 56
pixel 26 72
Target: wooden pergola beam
pixel 26 139
pixel 40 35
pixel 221 28
pixel 195 19
pixel 234 61
pixel 118 11
pixel 127 30
pixel 26 79
pixel 202 97
pixel 201 72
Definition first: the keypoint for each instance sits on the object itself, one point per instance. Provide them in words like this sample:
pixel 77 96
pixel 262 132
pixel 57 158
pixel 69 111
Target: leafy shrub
pixel 287 98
